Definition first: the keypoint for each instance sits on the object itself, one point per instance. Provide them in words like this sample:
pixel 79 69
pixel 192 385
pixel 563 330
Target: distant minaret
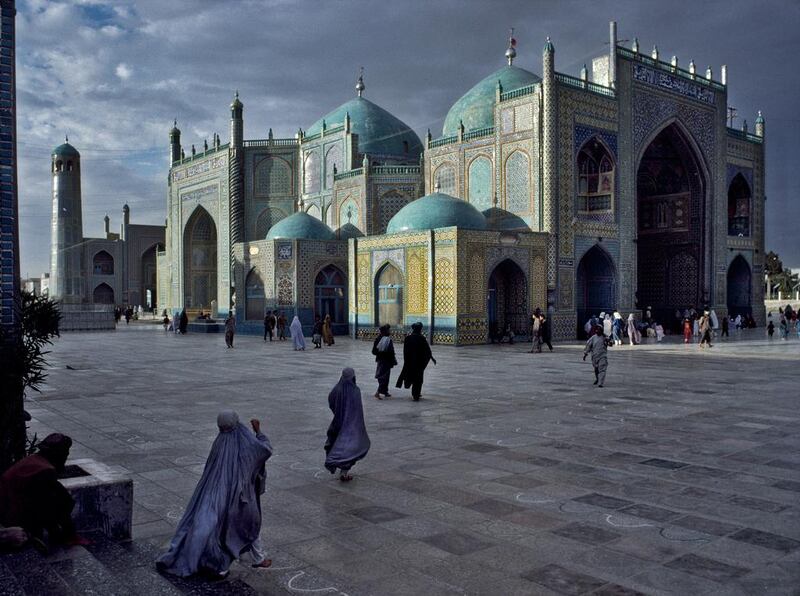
pixel 235 173
pixel 66 271
pixel 174 143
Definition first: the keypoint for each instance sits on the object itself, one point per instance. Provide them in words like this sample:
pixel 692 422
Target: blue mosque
pixel 617 187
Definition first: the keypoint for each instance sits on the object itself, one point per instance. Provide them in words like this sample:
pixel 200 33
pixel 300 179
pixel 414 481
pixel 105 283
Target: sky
pixel 113 75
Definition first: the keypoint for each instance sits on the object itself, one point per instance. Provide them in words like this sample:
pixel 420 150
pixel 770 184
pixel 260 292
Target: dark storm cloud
pixel 115 74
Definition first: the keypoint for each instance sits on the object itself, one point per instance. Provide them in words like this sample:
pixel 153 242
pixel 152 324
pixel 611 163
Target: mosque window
pixel 273 177
pixel 595 178
pixel 348 213
pixel 103 263
pixel 518 183
pixel 739 207
pixel 69 166
pixel 445 179
pixel 333 160
pixel 480 183
pixel 59 165
pixel 311 173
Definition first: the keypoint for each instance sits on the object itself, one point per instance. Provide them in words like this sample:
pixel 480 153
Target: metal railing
pixel 527 90
pixel 581 84
pixel 349 174
pixel 667 67
pixel 394 170
pixel 201 155
pixel 479 133
pixel 745 136
pixel 270 142
pixel 440 142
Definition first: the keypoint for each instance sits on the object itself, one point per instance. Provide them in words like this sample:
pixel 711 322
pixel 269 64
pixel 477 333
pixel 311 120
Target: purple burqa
pixel 223 517
pixel 347 441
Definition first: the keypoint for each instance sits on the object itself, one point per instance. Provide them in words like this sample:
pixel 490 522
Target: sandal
pixel 345 477
pixel 378 396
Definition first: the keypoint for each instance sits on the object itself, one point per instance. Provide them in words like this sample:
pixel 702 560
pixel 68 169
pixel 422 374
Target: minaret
pixel 549 218
pixel 66 270
pixel 106 226
pixel 760 125
pixel 174 143
pixel 126 221
pixel 612 54
pixel 236 189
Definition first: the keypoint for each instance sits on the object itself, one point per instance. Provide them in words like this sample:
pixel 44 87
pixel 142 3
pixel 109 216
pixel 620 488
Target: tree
pixel 773 264
pixel 23 364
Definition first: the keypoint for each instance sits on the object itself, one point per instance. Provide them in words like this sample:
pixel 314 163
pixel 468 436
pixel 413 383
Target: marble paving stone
pixel 483 479
pixel 767 540
pixel 616 590
pixel 705 567
pixel 563 580
pixel 586 533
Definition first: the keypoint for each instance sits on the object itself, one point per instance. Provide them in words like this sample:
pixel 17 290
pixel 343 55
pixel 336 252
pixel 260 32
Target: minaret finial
pixel 360 83
pixel 66 138
pixel 511 52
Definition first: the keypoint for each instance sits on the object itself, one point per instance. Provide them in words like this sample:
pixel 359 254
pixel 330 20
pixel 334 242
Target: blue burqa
pixel 223 517
pixel 347 441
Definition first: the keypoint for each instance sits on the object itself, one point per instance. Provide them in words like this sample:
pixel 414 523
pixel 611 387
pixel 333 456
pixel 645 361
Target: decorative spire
pixel 692 67
pixel 709 73
pixel 635 45
pixel 654 53
pixel 66 138
pixel 759 118
pixel 548 45
pixel 360 86
pixel 584 73
pixel 511 52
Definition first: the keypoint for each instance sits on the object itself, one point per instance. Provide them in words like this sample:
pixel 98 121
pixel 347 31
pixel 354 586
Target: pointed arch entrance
pixel 103 294
pixel 595 286
pixel 670 193
pixel 330 297
pixel 200 261
pixel 149 297
pixel 507 298
pixel 254 296
pixel 740 283
pixel 739 207
pixel 389 296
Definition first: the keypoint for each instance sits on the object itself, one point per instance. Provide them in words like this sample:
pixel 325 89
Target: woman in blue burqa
pixel 223 518
pixel 347 441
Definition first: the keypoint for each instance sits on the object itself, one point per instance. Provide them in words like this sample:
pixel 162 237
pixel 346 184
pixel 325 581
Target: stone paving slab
pixel 513 475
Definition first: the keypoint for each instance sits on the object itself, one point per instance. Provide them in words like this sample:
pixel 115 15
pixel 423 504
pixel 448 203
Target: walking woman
pixel 383 350
pixel 327 331
pixel 634 335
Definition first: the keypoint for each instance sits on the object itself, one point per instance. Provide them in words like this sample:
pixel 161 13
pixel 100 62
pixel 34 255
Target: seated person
pixel 508 334
pixel 202 316
pixel 32 498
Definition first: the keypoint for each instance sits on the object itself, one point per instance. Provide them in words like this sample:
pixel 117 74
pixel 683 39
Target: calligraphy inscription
pixel 672 83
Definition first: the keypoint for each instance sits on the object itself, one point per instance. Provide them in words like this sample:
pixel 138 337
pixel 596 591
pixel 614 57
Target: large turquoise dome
pixel 436 210
pixel 379 133
pixel 476 107
pixel 66 150
pixel 301 226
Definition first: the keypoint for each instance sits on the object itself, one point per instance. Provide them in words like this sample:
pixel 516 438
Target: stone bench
pixel 103 497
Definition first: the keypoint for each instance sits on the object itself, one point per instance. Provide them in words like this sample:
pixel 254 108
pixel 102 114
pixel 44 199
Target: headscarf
pixel 416 327
pixel 55 449
pixel 223 516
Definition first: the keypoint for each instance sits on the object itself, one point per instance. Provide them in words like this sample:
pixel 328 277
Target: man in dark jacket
pixel 416 355
pixel 31 496
pixel 383 350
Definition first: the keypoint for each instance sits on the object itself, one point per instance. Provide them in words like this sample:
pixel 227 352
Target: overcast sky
pixel 113 75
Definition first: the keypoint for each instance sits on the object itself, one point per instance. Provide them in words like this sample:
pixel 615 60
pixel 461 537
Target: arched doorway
pixel 330 297
pixel 596 286
pixel 670 193
pixel 739 207
pixel 739 287
pixel 200 261
pixel 507 300
pixel 389 296
pixel 149 298
pixel 103 263
pixel 103 294
pixel 254 296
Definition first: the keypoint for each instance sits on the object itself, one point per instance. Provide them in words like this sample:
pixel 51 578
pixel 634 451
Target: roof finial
pixel 511 52
pixel 66 138
pixel 360 83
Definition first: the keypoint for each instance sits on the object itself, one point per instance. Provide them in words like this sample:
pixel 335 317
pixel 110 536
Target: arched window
pixel 739 207
pixel 273 177
pixel 69 166
pixel 595 178
pixel 389 296
pixel 332 158
pixel 103 294
pixel 254 296
pixel 348 213
pixel 200 260
pixel 446 179
pixel 103 263
pixel 518 187
pixel 480 183
pixel 59 165
pixel 266 219
pixel 311 173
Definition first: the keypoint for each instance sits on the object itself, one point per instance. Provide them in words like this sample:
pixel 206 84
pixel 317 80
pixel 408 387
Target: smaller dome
pixel 348 231
pixel 436 210
pixel 65 149
pixel 301 226
pixel 502 220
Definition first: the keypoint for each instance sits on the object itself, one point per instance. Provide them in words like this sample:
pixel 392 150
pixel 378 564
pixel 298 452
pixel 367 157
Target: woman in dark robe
pixel 347 441
pixel 416 355
pixel 223 518
pixel 383 350
pixel 184 322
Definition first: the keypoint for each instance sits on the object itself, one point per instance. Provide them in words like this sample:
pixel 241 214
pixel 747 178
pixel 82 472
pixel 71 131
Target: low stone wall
pixel 87 317
pixel 103 498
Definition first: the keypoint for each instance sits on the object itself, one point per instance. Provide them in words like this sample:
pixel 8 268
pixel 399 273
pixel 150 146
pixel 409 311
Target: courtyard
pixel 513 475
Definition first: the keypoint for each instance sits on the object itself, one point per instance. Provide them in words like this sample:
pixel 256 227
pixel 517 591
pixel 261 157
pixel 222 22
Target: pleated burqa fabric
pixel 347 441
pixel 223 517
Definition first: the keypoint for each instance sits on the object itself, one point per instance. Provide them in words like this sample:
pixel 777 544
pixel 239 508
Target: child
pixel 770 329
pixel 316 333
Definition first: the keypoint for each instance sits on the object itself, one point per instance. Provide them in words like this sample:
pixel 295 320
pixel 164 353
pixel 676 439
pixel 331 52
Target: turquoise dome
pixel 476 107
pixel 66 150
pixel 502 220
pixel 436 210
pixel 302 226
pixel 379 133
pixel 348 231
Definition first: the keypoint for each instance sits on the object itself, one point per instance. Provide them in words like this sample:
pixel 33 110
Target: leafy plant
pixel 22 355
